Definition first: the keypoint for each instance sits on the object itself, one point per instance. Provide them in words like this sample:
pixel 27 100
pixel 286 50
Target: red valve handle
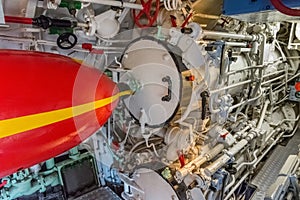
pixel 146 11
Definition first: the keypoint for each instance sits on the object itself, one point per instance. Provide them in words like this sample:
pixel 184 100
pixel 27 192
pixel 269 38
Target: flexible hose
pixel 19 20
pixel 171 5
pixel 284 9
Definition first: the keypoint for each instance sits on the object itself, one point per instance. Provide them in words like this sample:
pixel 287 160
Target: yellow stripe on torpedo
pixel 77 60
pixel 9 127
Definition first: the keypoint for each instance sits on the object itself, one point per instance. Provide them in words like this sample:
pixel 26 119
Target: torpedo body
pixel 48 104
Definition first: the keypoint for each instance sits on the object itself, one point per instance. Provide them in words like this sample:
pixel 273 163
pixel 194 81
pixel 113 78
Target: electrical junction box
pixel 257 10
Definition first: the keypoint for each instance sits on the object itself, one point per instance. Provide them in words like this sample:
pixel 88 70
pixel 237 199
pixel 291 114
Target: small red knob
pixel 190 78
pixel 297 86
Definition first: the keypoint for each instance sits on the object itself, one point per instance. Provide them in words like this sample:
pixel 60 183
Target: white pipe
pixel 268 136
pixel 294 131
pixel 215 34
pixel 210 195
pixel 274 79
pixel 236 186
pixel 269 148
pixel 230 86
pixel 197 162
pixel 249 163
pixel 254 166
pixel 239 133
pixel 190 127
pixel 222 160
pixel 210 104
pixel 77 47
pixel 246 101
pixel 230 184
pixel 111 41
pixel 236 44
pixel 263 113
pixel 275 62
pixel 279 86
pixel 292 134
pixel 115 3
pixel 285 120
pixel 244 69
pixel 274 73
pixel 293 57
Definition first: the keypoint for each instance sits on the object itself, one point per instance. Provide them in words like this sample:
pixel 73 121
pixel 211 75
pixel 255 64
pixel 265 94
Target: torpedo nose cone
pixel 48 104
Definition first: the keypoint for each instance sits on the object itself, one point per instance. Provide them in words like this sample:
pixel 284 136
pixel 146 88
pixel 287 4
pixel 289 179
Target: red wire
pixel 19 20
pixel 284 9
pixel 186 20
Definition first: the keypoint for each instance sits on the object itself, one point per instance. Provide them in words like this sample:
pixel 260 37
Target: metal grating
pixel 104 193
pixel 269 172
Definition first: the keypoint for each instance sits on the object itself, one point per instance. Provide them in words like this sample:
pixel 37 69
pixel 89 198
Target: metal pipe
pixel 230 86
pixel 115 3
pixel 248 68
pixel 210 104
pixel 220 162
pixel 249 163
pixel 269 135
pixel 274 73
pixel 210 195
pixel 269 148
pixel 236 44
pixel 213 111
pixel 181 173
pixel 285 120
pixel 239 133
pixel 263 113
pixel 275 62
pixel 77 47
pixel 243 102
pixel 279 86
pixel 206 16
pixel 215 34
pixel 236 186
pixel 274 79
pixel 292 134
pixel 82 25
pixel 230 184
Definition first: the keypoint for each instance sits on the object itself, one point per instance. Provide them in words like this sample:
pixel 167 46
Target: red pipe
pixel 186 21
pixel 19 20
pixel 284 9
pixel 173 21
pixel 3 183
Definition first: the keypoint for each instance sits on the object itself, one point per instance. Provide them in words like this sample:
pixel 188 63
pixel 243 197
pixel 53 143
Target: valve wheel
pixel 146 11
pixel 66 41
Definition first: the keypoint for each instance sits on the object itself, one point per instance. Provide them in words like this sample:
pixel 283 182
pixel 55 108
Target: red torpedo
pixel 48 104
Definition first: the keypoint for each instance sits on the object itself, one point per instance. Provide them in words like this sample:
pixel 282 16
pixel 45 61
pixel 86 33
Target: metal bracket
pixel 2 21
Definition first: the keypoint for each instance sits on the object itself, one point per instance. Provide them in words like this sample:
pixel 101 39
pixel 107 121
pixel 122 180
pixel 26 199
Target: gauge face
pixel 152 66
